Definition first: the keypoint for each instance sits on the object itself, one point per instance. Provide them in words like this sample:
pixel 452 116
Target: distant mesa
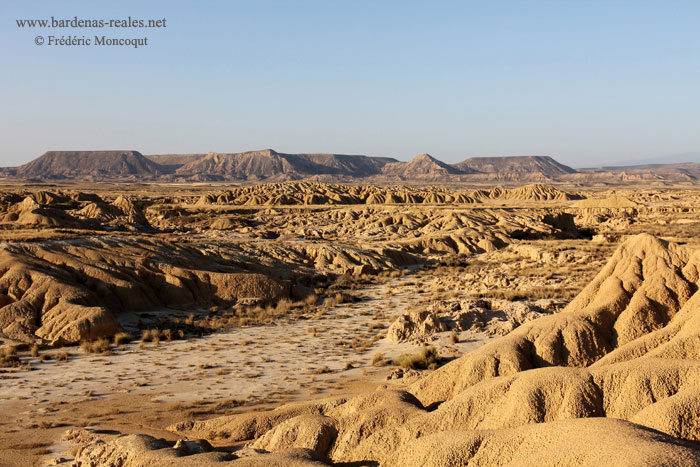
pixel 271 166
pixel 95 165
pixel 268 164
pixel 514 168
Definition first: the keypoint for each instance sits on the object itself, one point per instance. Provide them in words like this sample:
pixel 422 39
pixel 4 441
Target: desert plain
pixel 318 323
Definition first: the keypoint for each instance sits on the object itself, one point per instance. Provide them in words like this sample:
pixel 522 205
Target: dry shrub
pixel 426 358
pixel 35 350
pixel 283 306
pixel 454 337
pixel 321 371
pixel 62 356
pixel 167 334
pixel 150 335
pixel 379 360
pixel 311 300
pixel 122 338
pixel 9 358
pixel 95 346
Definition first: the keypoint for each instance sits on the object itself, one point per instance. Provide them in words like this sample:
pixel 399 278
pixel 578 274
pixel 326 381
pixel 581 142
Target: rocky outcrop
pixel 492 317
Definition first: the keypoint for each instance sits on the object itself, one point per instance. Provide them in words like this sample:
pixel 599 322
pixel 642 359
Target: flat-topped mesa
pixel 90 165
pixel 269 164
pixel 514 168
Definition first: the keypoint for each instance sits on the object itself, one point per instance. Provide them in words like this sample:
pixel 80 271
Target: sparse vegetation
pixel 150 335
pixel 95 346
pixel 426 358
pixel 9 358
pixel 379 359
pixel 122 338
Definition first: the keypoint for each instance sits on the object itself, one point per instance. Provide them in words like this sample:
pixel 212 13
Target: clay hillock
pixel 67 291
pixel 515 168
pixel 74 210
pixel 29 212
pixel 90 165
pixel 315 193
pixel 611 202
pixel 121 212
pixel 534 192
pixel 615 374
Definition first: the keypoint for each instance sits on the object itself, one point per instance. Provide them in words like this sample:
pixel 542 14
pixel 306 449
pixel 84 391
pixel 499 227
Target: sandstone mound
pixel 588 442
pixel 611 202
pixel 146 451
pixel 122 212
pixel 535 192
pixel 638 291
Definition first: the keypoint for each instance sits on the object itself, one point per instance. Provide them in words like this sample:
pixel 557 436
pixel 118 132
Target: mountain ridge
pixel 272 166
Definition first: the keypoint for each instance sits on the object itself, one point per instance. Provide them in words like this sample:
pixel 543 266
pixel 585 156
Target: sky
pixel 586 82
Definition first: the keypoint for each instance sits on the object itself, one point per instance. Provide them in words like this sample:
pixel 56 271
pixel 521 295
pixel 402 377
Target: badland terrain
pixel 315 309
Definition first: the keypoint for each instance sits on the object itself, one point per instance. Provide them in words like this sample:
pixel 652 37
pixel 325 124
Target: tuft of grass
pixel 95 346
pixel 454 337
pixel 379 360
pixel 150 335
pixel 426 358
pixel 35 350
pixel 9 358
pixel 311 300
pixel 283 307
pixel 122 338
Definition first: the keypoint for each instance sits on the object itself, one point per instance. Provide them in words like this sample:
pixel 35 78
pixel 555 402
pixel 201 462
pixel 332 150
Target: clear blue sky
pixel 587 82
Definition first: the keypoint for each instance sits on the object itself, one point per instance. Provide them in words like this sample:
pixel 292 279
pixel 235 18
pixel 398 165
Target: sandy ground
pixel 151 386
